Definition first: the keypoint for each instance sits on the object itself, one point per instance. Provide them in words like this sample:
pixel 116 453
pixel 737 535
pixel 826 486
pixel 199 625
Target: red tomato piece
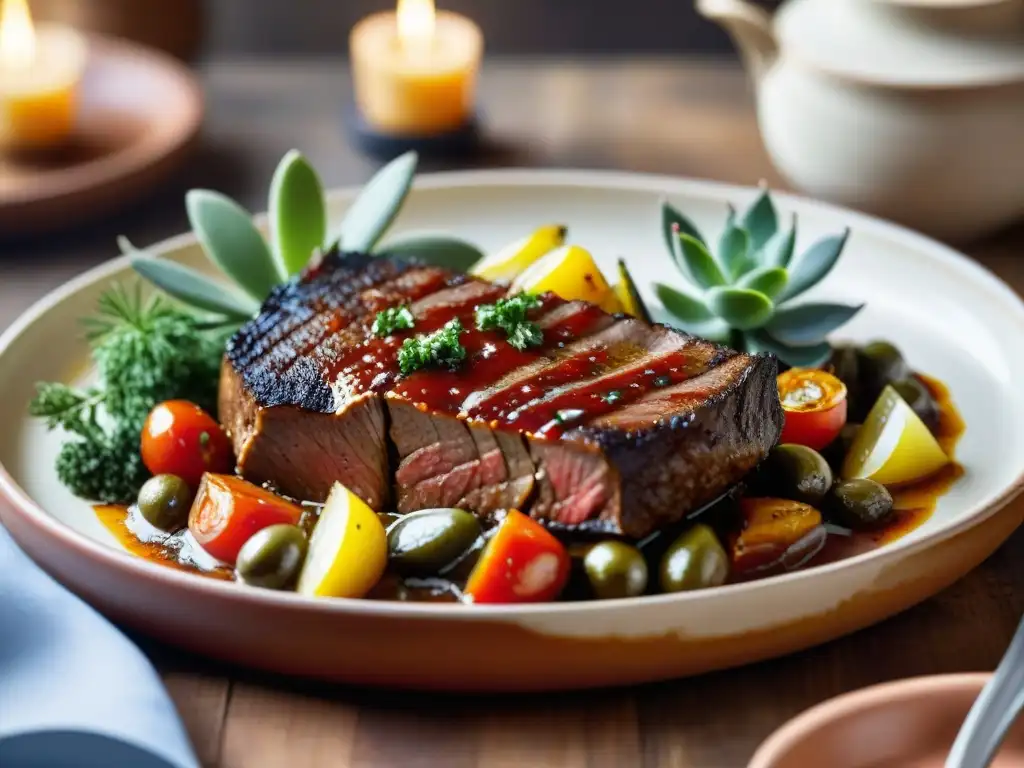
pixel 522 563
pixel 180 438
pixel 227 511
pixel 814 404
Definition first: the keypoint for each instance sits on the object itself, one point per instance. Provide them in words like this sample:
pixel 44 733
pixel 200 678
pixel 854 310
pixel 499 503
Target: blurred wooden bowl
pixel 172 26
pixel 140 111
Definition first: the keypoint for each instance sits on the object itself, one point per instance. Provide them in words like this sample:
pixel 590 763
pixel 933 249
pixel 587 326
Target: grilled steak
pixel 610 424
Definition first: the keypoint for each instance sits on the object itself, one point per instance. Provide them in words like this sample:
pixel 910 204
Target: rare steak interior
pixel 610 424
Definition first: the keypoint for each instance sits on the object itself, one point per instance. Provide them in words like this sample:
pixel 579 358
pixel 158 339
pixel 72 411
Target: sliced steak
pixel 443 462
pixel 609 424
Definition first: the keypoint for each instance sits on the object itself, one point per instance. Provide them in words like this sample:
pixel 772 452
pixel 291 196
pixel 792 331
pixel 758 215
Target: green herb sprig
pixel 740 291
pixel 145 352
pixel 440 349
pixel 393 319
pixel 509 315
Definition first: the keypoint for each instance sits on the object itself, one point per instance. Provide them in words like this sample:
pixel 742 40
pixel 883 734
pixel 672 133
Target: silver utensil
pixel 994 711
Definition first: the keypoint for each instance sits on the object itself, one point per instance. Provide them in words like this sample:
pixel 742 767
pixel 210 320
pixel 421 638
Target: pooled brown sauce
pixel 177 550
pixel 914 504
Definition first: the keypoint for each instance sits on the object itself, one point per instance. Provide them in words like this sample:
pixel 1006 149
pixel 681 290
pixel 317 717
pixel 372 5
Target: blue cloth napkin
pixel 74 692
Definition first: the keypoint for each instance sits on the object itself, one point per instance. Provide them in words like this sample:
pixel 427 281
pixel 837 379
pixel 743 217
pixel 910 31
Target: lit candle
pixel 415 70
pixel 40 69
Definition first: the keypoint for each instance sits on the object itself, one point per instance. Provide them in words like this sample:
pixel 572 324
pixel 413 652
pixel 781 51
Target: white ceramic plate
pixel 953 319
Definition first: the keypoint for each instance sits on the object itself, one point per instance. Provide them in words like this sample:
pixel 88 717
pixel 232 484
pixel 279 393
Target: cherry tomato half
pixel 815 405
pixel 522 563
pixel 227 511
pixel 180 438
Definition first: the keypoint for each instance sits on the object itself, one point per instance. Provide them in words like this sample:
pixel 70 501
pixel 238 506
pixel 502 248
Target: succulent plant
pixel 740 291
pixel 298 229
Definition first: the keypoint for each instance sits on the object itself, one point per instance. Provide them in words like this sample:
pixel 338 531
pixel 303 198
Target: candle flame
pixel 416 23
pixel 17 35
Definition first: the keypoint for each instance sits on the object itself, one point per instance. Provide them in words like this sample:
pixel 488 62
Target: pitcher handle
pixel 751 29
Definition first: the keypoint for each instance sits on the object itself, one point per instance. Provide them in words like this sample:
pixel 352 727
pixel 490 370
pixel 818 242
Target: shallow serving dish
pixel 953 320
pixel 904 724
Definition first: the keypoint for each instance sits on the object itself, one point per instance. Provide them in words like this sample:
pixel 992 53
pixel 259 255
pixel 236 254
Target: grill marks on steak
pixel 576 430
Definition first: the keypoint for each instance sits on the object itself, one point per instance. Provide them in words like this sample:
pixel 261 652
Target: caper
pixel 615 569
pixel 272 557
pixel 859 504
pixel 164 500
pixel 423 543
pixel 920 401
pixel 797 473
pixel 881 364
pixel 695 560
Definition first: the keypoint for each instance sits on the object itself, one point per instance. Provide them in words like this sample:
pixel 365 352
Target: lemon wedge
pixel 508 262
pixel 893 446
pixel 569 272
pixel 348 550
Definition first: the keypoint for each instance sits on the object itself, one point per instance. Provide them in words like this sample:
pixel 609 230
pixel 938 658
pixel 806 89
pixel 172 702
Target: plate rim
pixel 20 502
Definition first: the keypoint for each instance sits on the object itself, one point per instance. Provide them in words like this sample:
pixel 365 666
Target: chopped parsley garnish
pixel 612 397
pixel 509 315
pixel 663 381
pixel 439 349
pixel 393 319
pixel 567 415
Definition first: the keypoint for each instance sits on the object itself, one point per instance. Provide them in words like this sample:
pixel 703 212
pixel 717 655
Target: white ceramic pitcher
pixel 911 109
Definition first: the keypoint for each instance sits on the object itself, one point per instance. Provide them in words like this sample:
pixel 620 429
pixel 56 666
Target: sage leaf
pixel 767 280
pixel 816 262
pixel 673 224
pixel 741 308
pixel 438 250
pixel 297 213
pixel 797 357
pixel 716 330
pixel 761 221
pixel 809 324
pixel 687 308
pixel 192 288
pixel 701 265
pixel 778 251
pixel 732 250
pixel 377 204
pixel 232 242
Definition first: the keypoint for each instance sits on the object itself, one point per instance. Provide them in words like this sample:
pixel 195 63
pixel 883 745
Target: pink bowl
pixel 906 724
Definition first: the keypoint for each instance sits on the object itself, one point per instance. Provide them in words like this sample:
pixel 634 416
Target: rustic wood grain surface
pixel 664 116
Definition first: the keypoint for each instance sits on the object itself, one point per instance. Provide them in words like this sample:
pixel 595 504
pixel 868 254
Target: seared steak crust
pixel 610 424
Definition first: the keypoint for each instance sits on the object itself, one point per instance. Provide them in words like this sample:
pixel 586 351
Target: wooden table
pixel 691 119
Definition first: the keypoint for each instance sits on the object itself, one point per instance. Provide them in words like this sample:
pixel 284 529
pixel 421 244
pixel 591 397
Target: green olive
pixel 797 473
pixel 387 519
pixel 615 569
pixel 920 401
pixel 695 560
pixel 835 453
pixel 272 557
pixel 165 500
pixel 859 504
pixel 423 543
pixel 460 568
pixel 845 366
pixel 880 364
